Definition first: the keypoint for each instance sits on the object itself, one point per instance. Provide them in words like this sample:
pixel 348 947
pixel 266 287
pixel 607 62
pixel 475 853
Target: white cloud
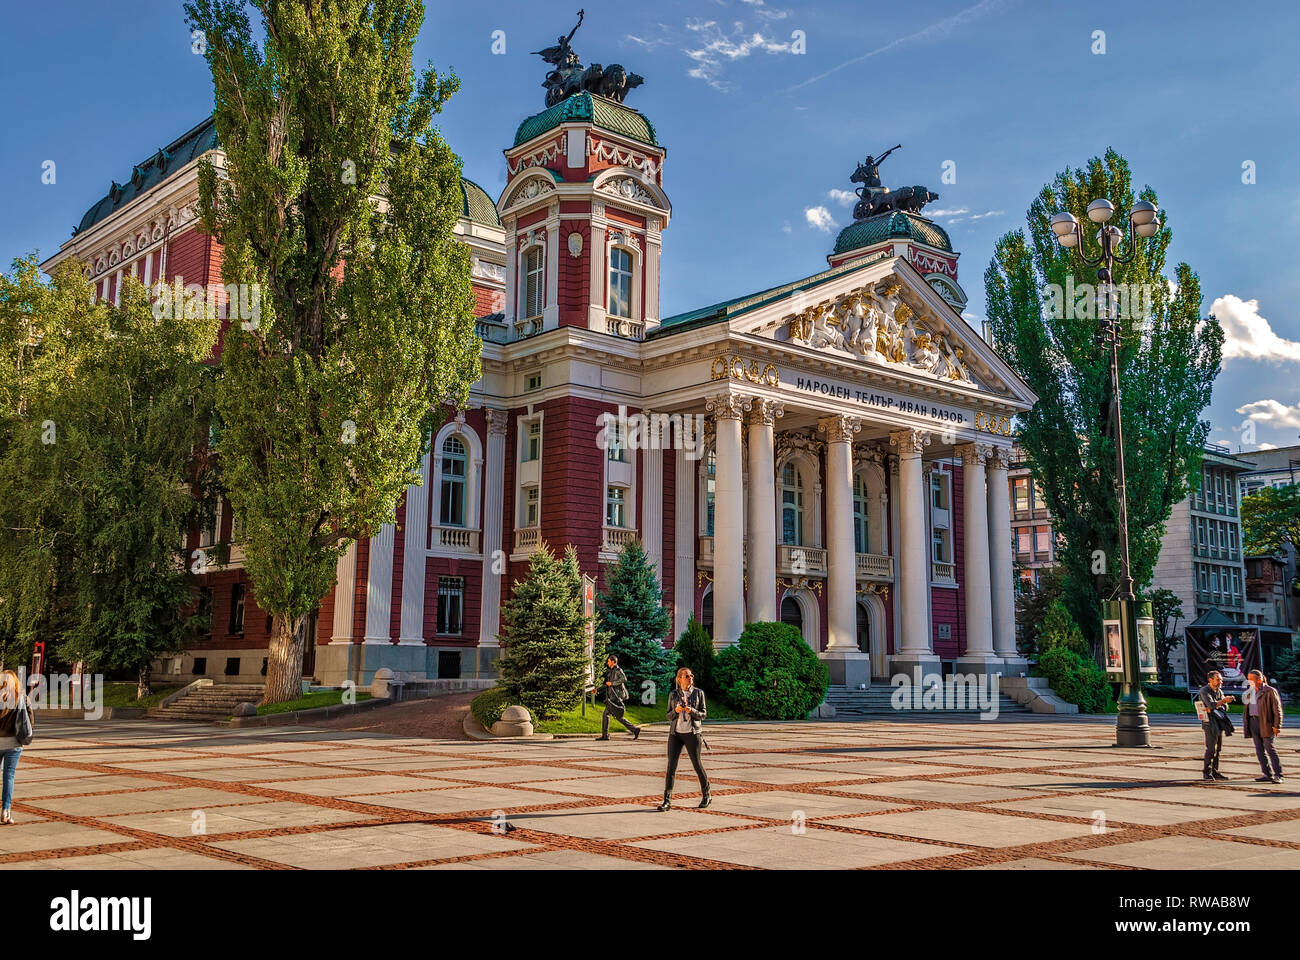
pixel 845 198
pixel 987 213
pixel 946 213
pixel 712 48
pixel 785 227
pixel 820 218
pixel 1272 412
pixel 1268 446
pixel 1249 336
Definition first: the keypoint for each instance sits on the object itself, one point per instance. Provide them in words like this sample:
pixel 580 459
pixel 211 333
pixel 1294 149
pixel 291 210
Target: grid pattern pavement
pixel 1022 793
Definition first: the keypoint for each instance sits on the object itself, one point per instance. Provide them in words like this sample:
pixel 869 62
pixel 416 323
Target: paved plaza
pixel 902 794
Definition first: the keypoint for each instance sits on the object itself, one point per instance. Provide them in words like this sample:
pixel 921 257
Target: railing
pixel 622 327
pixel 872 566
pixel 800 561
pixel 491 332
pixel 527 327
pixel 616 538
pixel 527 539
pixel 704 552
pixel 942 571
pixel 456 538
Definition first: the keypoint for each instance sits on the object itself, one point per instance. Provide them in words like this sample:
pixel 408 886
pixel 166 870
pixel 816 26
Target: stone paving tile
pixel 1033 863
pixel 783 775
pixel 149 859
pixel 1039 782
pixel 549 860
pixel 372 846
pixel 26 835
pixel 780 848
pixel 1114 807
pixel 84 783
pixel 1223 795
pixel 619 786
pixel 1182 853
pixel 1288 831
pixel 356 786
pixel 179 798
pixel 936 791
pixel 625 821
pixel 781 805
pixel 466 799
pixel 236 819
pixel 968 827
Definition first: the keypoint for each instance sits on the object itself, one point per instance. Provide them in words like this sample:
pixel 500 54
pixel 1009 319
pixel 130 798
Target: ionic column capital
pixel 999 458
pixel 974 454
pixel 728 406
pixel 910 442
pixel 839 428
pixel 765 412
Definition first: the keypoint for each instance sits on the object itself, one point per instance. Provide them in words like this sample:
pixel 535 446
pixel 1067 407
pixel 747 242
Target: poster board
pixel 1112 646
pixel 1147 662
pixel 589 611
pixel 1232 650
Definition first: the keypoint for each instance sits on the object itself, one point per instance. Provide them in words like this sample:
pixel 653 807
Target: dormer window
pixel 620 283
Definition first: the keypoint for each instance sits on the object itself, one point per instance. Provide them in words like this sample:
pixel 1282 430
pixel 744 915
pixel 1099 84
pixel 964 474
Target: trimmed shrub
pixel 488 706
pixel 1060 630
pixel 694 649
pixel 771 674
pixel 1075 679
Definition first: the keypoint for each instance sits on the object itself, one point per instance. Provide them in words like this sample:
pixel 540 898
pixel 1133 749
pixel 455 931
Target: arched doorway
pixel 864 629
pixel 792 614
pixel 706 613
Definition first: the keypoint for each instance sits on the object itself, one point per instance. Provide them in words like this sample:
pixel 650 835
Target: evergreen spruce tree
pixel 632 620
pixel 544 661
pixel 694 649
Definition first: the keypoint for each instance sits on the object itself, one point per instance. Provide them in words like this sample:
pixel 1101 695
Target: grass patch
pixel 1177 705
pixel 122 694
pixel 572 721
pixel 321 698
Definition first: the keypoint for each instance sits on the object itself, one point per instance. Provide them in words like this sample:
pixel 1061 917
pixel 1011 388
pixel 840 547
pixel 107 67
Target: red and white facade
pixel 831 452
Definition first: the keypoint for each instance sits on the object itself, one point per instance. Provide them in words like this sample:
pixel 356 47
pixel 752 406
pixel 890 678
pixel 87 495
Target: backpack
pixel 23 730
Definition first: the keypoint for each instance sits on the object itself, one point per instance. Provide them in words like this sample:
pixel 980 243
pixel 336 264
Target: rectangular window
pixel 204 611
pixel 939 491
pixel 614 507
pixel 940 542
pixel 1040 501
pixel 620 283
pixel 1022 541
pixel 532 441
pixel 236 608
pixel 531 495
pixel 615 441
pixel 1043 540
pixel 534 281
pixel 1022 493
pixel 451 605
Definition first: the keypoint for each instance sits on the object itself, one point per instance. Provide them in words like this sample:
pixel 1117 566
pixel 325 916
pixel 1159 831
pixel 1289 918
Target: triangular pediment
pixel 886 316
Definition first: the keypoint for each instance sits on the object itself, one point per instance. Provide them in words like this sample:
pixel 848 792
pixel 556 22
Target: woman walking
pixel 686 710
pixel 12 701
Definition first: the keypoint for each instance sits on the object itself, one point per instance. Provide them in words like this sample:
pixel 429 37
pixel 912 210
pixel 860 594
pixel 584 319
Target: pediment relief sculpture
pixel 877 325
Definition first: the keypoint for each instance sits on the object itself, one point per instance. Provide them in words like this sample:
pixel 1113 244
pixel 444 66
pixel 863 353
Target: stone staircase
pixel 876 703
pixel 207 703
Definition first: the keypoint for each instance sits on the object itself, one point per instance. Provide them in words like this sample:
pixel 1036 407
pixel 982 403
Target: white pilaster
pixel 684 539
pixel 344 591
pixel 652 492
pixel 728 521
pixel 494 494
pixel 416 549
pixel 760 541
pixel 379 586
pixel 1001 575
pixel 913 646
pixel 979 656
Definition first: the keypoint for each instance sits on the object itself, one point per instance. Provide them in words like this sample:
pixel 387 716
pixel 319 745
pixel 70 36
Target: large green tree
pixel 632 622
pixel 1044 323
pixel 1271 519
pixel 338 199
pixel 102 410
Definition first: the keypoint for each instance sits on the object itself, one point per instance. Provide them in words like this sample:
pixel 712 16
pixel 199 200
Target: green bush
pixel 771 674
pixel 1075 679
pixel 488 706
pixel 1060 631
pixel 694 649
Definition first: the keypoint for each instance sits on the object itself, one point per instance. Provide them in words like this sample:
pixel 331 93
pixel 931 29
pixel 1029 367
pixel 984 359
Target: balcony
pixel 943 572
pixel 527 327
pixel 527 540
pixel 704 553
pixel 455 539
pixel 872 566
pixel 614 539
pixel 625 328
pixel 800 561
pixel 491 331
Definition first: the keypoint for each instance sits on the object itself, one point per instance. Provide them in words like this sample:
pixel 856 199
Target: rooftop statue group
pixel 874 197
pixel 570 77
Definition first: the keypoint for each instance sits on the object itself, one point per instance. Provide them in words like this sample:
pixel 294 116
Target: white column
pixel 728 521
pixel 494 558
pixel 848 665
pixel 379 586
pixel 652 493
pixel 760 541
pixel 979 656
pixel 913 646
pixel 344 593
pixel 416 549
pixel 1001 576
pixel 684 534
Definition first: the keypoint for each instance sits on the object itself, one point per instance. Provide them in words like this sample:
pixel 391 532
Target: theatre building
pixel 831 451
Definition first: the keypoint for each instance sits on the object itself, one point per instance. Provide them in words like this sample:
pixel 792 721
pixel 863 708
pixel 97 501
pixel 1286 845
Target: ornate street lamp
pixel 1131 726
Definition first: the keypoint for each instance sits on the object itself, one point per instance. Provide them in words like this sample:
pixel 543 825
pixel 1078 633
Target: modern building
pixel 831 451
pixel 1033 537
pixel 1279 467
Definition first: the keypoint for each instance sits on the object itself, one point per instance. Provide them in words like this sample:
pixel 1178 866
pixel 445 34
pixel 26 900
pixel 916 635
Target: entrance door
pixel 793 615
pixel 864 629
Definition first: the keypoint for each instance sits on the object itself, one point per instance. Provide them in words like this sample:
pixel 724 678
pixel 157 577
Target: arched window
pixel 452 470
pixel 710 489
pixel 534 281
pixel 620 283
pixel 792 614
pixel 861 525
pixel 864 629
pixel 706 613
pixel 791 506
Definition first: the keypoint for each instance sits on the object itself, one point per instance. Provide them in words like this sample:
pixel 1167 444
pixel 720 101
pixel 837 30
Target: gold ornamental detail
pixel 727 367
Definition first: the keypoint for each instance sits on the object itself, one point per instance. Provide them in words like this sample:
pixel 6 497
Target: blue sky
pixel 759 134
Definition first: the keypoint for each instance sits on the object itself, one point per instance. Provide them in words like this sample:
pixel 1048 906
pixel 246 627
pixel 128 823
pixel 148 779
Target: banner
pixel 1233 651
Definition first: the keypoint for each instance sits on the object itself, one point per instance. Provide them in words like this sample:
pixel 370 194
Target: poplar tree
pixel 338 199
pixel 1043 320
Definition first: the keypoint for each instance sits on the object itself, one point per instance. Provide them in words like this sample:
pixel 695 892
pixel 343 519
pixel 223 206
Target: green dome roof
pixel 886 226
pixel 590 108
pixel 477 205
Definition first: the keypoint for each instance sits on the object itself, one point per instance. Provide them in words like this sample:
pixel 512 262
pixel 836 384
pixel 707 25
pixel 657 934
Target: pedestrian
pixel 1263 724
pixel 1213 721
pixel 686 710
pixel 15 732
pixel 615 699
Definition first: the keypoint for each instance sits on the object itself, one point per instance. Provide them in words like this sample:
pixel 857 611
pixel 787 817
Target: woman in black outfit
pixel 686 710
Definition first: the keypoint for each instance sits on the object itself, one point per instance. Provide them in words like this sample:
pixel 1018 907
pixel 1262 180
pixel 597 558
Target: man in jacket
pixel 1209 696
pixel 615 699
pixel 1263 723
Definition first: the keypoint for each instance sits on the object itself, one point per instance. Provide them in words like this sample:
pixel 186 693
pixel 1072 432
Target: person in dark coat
pixel 1209 695
pixel 686 711
pixel 1263 724
pixel 615 699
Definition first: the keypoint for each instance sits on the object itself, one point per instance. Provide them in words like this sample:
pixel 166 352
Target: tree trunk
pixel 284 660
pixel 142 681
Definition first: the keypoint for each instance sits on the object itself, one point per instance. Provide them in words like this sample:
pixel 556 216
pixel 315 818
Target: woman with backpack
pixel 15 733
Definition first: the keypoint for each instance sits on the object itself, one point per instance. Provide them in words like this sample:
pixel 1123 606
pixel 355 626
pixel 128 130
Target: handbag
pixel 23 727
